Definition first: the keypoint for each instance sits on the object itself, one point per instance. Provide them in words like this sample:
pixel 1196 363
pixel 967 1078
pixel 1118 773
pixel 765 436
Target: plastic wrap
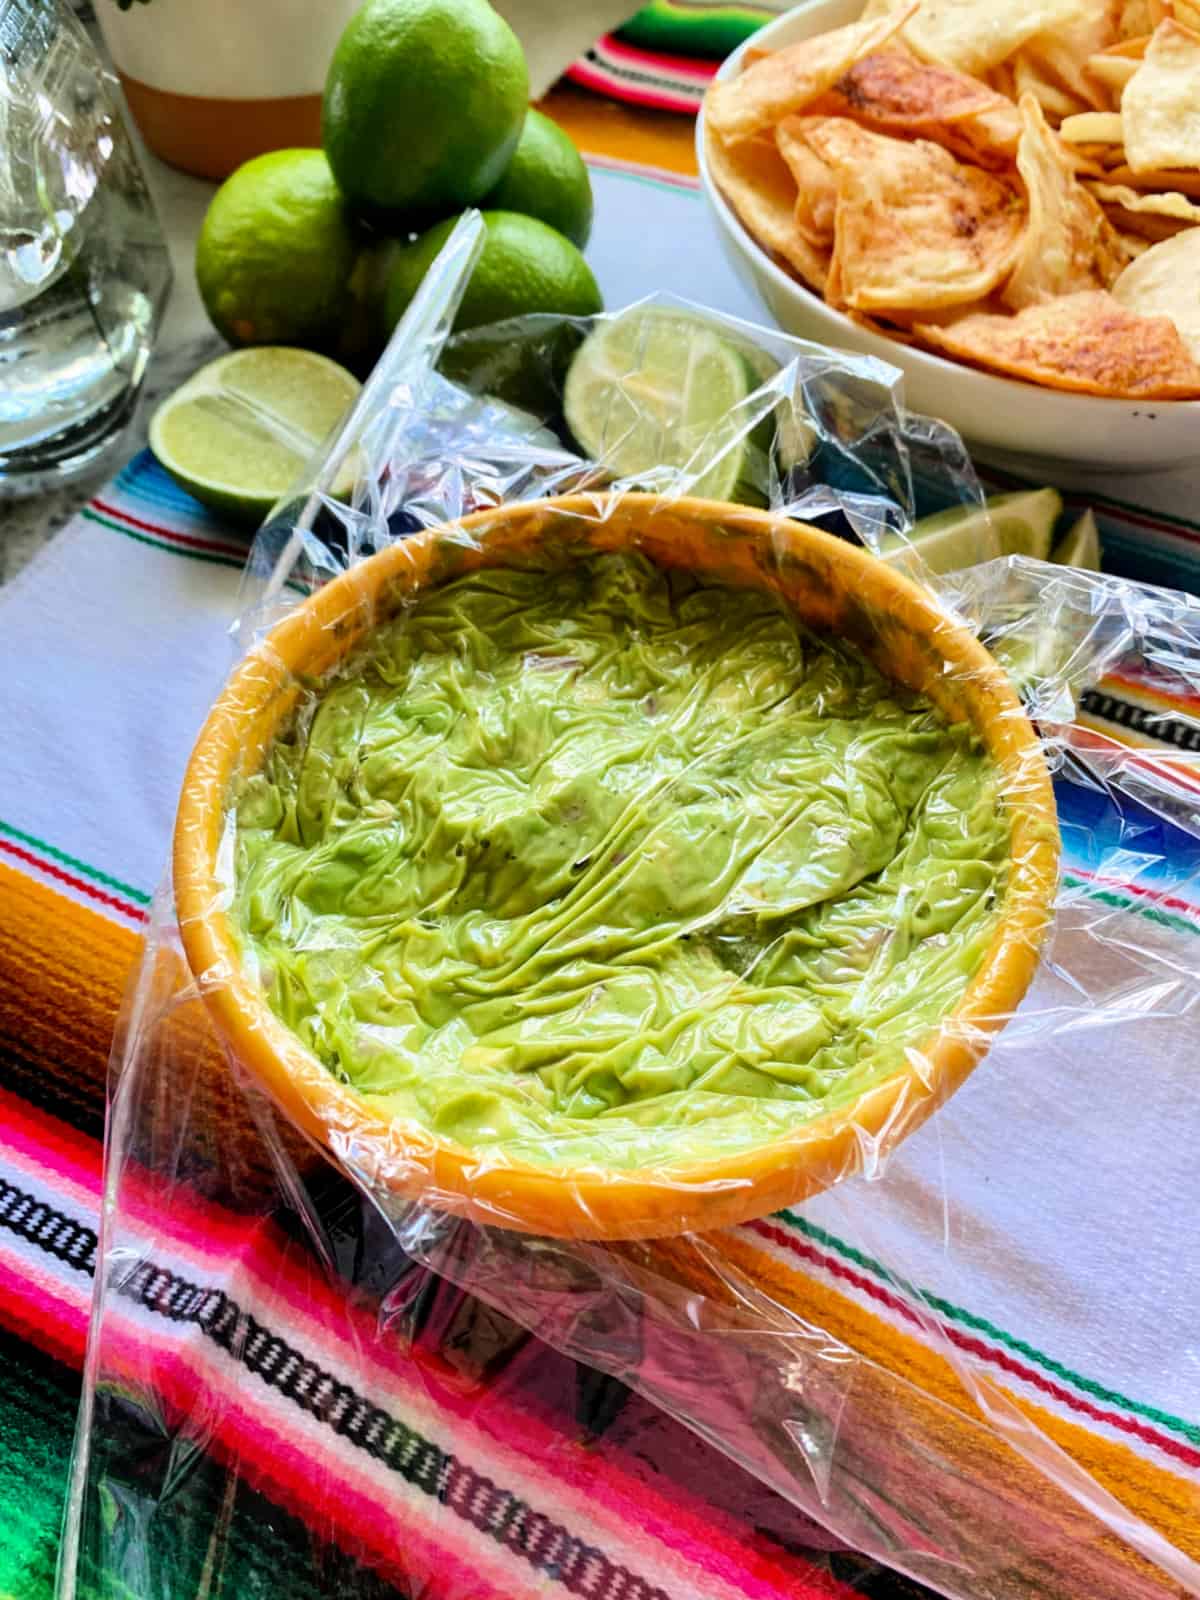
pixel 977 954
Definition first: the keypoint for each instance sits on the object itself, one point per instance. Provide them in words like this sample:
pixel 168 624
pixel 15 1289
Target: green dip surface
pixel 606 866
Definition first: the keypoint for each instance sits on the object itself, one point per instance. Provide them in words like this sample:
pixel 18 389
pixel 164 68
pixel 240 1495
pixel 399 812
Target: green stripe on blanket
pixel 264 1552
pixel 692 28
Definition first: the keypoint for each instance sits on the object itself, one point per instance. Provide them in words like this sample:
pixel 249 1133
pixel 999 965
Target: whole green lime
pixel 424 102
pixel 525 266
pixel 546 178
pixel 276 251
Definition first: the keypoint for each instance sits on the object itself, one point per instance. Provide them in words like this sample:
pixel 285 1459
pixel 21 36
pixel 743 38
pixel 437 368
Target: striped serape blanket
pixel 290 1444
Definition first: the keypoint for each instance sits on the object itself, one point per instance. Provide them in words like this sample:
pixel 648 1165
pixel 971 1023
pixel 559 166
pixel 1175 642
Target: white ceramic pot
pixel 211 84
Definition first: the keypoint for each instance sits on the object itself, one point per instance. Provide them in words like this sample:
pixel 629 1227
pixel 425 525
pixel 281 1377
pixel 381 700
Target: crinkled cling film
pixel 584 894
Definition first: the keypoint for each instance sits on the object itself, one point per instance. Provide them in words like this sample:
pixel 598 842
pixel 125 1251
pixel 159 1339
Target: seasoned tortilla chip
pixel 816 187
pixel 976 35
pixel 1166 282
pixel 1088 343
pixel 754 178
pixel 890 91
pixel 1069 244
pixel 789 80
pixel 1161 103
pixel 893 92
pixel 915 228
pixel 988 139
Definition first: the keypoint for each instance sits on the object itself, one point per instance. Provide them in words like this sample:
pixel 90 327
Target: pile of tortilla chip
pixel 1013 183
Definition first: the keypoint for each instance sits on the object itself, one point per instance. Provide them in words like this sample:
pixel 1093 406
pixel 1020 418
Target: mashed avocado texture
pixel 609 866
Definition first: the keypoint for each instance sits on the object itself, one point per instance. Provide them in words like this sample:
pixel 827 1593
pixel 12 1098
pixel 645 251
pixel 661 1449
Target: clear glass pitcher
pixel 84 270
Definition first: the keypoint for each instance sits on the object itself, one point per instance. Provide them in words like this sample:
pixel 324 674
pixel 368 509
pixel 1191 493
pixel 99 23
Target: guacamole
pixel 607 865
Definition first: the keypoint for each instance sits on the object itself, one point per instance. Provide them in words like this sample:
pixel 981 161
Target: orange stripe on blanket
pixel 1164 1501
pixel 63 970
pixel 602 127
pixel 62 975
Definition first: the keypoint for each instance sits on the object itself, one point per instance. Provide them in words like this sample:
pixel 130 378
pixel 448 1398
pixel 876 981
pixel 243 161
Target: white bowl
pixel 992 413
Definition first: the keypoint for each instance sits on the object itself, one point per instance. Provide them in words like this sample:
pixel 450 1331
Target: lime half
pixel 1020 524
pixel 1080 545
pixel 240 431
pixel 657 388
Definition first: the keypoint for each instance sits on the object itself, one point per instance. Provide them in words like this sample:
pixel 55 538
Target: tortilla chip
pixel 1065 67
pixel 976 35
pixel 754 178
pixel 1134 243
pixel 1148 211
pixel 1094 160
pixel 816 186
pixel 1003 81
pixel 1172 205
pixel 1161 103
pixel 1064 51
pixel 788 80
pixel 1112 71
pixel 1069 244
pixel 1186 13
pixel 1030 77
pixel 892 92
pixel 1094 127
pixel 1166 282
pixel 1087 343
pixel 1145 230
pixel 1156 178
pixel 1135 49
pixel 1137 18
pixel 915 228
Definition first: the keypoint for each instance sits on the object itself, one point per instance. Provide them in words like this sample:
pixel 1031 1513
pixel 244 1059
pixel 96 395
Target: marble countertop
pixel 186 340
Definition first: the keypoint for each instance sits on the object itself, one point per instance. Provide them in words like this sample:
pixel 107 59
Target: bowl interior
pixel 831 585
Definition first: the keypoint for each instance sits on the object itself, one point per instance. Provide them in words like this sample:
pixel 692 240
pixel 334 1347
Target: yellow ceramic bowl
pixel 829 584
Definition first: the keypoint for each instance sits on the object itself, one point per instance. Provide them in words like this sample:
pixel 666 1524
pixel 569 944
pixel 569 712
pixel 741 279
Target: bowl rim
pixel 594 1202
pixel 928 360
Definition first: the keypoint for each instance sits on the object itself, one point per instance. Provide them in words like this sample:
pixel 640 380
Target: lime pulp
pixel 241 430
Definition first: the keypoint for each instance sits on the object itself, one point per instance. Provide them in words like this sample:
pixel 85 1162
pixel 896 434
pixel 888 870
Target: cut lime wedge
pixel 659 388
pixel 1080 546
pixel 240 430
pixel 1019 524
